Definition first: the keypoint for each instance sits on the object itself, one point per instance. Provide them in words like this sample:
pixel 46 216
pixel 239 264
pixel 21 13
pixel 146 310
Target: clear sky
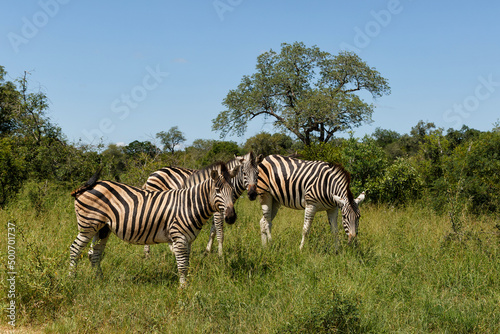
pixel 127 70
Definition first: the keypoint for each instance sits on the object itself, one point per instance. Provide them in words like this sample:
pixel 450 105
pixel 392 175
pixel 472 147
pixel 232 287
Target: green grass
pixel 405 274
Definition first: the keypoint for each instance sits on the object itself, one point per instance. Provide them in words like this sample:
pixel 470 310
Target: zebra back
pixel 168 178
pixel 206 173
pixel 176 177
pixel 291 181
pixel 88 185
pixel 140 216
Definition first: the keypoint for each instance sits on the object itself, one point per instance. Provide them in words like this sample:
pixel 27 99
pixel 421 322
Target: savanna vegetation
pixel 426 259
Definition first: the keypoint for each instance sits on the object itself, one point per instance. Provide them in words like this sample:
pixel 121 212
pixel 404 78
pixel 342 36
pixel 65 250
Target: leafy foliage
pixel 267 144
pixel 220 151
pixel 171 139
pixel 334 314
pixel 364 160
pixel 12 170
pixel 475 165
pixel 400 184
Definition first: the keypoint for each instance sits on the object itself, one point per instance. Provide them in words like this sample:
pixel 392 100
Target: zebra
pixel 141 216
pixel 306 185
pixel 175 177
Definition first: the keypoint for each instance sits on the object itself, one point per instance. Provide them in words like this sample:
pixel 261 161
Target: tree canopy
pixel 171 139
pixel 307 92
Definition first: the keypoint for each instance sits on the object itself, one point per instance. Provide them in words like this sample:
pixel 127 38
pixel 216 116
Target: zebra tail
pixel 88 185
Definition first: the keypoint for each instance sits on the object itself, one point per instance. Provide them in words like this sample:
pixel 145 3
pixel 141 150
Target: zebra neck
pixel 209 200
pixel 237 181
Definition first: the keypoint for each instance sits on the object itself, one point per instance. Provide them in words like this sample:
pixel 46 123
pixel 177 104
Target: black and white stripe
pixel 178 177
pixel 148 217
pixel 306 185
pixel 168 178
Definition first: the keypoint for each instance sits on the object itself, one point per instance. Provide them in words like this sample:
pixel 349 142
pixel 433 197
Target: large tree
pixel 307 92
pixel 171 139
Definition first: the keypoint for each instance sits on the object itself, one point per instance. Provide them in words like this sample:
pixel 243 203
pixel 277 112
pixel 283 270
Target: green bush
pixel 328 152
pixel 335 314
pixel 364 160
pixel 475 165
pixel 12 171
pixel 401 184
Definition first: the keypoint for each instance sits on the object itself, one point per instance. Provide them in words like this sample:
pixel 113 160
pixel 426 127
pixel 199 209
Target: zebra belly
pixel 143 234
pixel 296 203
pixel 300 203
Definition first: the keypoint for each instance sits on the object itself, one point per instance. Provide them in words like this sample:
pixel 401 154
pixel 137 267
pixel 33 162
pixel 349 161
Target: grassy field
pixel 408 273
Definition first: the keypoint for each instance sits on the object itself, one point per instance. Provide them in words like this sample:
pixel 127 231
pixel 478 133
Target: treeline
pixel 454 170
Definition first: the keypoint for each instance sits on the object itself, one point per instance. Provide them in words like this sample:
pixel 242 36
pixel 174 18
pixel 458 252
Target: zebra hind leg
pixel 98 249
pixel 147 251
pixel 82 239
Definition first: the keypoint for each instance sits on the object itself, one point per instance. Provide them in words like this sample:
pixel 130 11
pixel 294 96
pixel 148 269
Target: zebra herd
pixel 175 202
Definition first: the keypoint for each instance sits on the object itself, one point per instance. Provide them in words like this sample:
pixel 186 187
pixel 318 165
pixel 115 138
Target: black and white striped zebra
pixel 306 185
pixel 148 217
pixel 175 178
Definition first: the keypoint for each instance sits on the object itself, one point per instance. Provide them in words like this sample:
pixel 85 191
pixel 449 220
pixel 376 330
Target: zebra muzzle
pixel 230 215
pixel 351 237
pixel 252 192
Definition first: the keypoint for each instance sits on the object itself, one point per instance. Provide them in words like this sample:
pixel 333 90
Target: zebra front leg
pixel 309 213
pixel 332 218
pixel 219 229
pixel 210 238
pixel 265 231
pixel 266 202
pixel 182 248
pixel 82 239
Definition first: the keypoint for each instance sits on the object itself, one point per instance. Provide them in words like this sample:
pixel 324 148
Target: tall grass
pixel 403 275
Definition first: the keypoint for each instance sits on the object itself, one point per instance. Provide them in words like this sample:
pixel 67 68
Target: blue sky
pixel 126 70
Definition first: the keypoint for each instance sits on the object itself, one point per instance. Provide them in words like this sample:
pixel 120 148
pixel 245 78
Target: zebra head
pixel 224 192
pixel 249 168
pixel 350 214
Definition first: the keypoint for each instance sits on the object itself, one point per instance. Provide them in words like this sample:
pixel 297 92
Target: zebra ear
pixel 240 159
pixel 233 172
pixel 214 174
pixel 360 198
pixel 341 202
pixel 259 159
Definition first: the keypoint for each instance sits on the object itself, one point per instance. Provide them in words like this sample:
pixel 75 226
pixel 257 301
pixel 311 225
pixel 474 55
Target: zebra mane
pixel 219 165
pixel 347 176
pixel 88 185
pixel 252 158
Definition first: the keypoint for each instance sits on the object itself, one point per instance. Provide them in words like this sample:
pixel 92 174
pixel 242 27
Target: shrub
pixel 12 171
pixel 476 166
pixel 401 184
pixel 364 160
pixel 327 315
